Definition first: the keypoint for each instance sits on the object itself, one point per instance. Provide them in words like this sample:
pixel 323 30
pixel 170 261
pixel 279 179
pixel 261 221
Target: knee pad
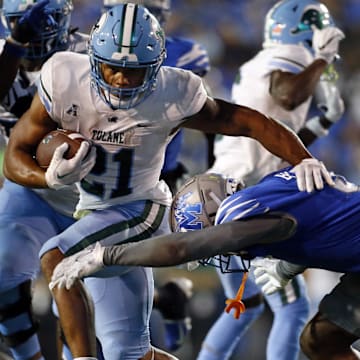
pixel 17 323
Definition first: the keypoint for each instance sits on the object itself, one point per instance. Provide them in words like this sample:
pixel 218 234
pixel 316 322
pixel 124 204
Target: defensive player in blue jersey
pixel 316 230
pixel 282 79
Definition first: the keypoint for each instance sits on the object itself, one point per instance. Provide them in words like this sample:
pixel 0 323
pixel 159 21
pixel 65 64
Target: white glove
pixel 267 277
pixel 325 42
pixel 62 172
pixel 77 266
pixel 329 100
pixel 310 174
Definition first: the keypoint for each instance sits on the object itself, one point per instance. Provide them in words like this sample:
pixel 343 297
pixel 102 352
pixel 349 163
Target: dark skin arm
pixel 290 90
pixel 19 164
pixel 216 116
pixel 179 248
pixel 219 116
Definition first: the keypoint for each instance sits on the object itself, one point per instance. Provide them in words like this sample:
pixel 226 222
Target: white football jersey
pixel 245 158
pixel 130 143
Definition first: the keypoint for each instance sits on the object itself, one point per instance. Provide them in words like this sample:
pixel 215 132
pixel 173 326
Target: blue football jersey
pixel 189 55
pixel 328 221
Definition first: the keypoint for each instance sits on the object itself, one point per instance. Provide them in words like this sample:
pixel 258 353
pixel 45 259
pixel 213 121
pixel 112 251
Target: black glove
pixel 34 20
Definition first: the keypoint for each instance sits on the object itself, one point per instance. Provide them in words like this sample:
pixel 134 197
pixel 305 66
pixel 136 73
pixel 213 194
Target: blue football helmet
pixel 51 38
pixel 126 36
pixel 160 8
pixel 291 22
pixel 195 205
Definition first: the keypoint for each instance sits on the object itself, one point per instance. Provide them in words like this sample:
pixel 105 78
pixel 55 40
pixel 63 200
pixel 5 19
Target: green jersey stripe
pixel 138 228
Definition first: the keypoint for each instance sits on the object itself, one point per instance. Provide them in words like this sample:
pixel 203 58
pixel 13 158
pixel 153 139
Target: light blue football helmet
pixel 51 38
pixel 291 21
pixel 160 8
pixel 126 36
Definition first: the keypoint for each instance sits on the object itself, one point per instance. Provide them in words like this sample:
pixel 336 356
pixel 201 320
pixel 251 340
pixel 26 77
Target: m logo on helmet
pixel 186 215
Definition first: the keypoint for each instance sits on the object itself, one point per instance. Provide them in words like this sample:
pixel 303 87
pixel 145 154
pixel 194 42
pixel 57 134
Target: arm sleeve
pixel 288 270
pixel 179 248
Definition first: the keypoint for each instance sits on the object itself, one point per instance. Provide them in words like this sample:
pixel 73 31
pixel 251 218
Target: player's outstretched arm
pixel 221 117
pixel 176 248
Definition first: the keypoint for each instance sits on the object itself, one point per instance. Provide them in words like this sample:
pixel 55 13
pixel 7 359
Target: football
pixel 52 140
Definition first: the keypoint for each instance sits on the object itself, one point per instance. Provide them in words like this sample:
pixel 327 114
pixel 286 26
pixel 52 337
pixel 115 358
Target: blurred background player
pixel 280 80
pixel 172 298
pixel 28 218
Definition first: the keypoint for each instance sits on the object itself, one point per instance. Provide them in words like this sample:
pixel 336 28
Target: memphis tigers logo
pixel 187 215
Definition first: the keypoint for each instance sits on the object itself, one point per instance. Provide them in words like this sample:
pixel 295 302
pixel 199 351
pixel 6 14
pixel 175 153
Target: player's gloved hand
pixel 310 174
pixel 267 276
pixel 34 20
pixel 325 42
pixel 62 172
pixel 77 266
pixel 329 100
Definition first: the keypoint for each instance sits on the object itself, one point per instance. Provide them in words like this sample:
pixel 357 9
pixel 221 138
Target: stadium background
pixel 232 32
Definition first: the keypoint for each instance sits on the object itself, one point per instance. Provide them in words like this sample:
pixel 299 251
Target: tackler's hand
pixel 77 266
pixel 267 276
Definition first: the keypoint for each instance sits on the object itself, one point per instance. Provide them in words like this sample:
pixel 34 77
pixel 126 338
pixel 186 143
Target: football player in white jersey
pixel 130 107
pixel 35 31
pixel 279 80
pixel 171 299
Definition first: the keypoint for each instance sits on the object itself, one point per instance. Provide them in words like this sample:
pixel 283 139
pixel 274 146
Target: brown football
pixel 55 138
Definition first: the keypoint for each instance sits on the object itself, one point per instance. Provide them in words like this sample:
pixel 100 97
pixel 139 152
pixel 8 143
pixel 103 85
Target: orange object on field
pixel 237 304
